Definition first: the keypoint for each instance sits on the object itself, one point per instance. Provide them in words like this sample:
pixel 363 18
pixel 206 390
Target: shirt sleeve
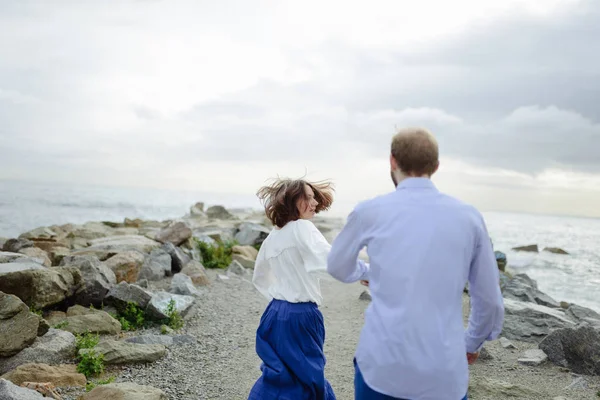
pixel 313 246
pixel 262 277
pixel 343 263
pixel 487 305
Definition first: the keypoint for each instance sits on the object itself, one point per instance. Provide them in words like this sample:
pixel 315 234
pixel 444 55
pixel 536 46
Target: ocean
pixel 574 278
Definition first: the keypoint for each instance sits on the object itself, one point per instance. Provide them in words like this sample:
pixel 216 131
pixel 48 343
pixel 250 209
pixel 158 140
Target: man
pixel 423 247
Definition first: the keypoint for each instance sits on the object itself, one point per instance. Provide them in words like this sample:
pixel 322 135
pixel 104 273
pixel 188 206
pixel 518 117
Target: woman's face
pixel 307 205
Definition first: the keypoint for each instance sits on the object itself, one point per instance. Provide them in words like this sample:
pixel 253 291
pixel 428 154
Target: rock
pixel 43 327
pixel 507 344
pixel 251 234
pixel 574 348
pixel 18 326
pixel 555 250
pixel 55 347
pixel 196 272
pixel 156 266
pixel 97 322
pixel 10 391
pixel 248 252
pixel 580 313
pixel 58 253
pixel 65 375
pixel 222 278
pixel 41 232
pixel 159 304
pixel 165 340
pixel 531 248
pixel 98 279
pixel 564 305
pixel 521 287
pixel 121 352
pixel 41 288
pixel 530 322
pixel 182 284
pixel 125 391
pixel 218 212
pixel 118 244
pixel 133 223
pixel 176 233
pixel 15 245
pixel 124 293
pixel 9 257
pixel 178 258
pixel 533 357
pixel 37 254
pixel 485 388
pixel 235 268
pixel 365 295
pixel 500 260
pixel 245 262
pixel 19 264
pixel 197 211
pixel 126 265
pixel 484 355
pixel 578 383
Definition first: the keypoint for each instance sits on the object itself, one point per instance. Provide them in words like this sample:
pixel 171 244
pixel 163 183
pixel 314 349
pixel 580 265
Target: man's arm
pixel 343 263
pixel 487 305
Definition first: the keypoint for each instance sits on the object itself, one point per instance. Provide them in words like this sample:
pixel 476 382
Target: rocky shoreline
pixel 163 310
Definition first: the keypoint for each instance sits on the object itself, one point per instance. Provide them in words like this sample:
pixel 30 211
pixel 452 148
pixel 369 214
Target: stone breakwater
pixel 141 285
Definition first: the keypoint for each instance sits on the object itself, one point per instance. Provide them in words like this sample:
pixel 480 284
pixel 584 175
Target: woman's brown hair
pixel 280 198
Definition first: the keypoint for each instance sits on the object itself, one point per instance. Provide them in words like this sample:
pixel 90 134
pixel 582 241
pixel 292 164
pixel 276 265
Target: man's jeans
pixel 363 392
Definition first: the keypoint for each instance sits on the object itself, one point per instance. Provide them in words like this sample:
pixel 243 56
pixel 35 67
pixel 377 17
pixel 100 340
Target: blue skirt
pixel 289 341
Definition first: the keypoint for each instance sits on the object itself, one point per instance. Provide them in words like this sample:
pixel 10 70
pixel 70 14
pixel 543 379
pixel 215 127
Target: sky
pixel 222 96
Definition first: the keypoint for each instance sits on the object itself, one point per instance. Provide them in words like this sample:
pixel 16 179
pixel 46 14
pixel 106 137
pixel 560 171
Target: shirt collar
pixel 416 183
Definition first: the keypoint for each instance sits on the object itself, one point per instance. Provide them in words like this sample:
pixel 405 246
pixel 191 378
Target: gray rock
pixel 575 348
pixel 365 295
pixel 124 293
pixel 55 347
pixel 8 257
pixel 180 340
pixel 484 355
pixel 531 322
pixel 507 344
pixel 18 326
pixel 15 245
pixel 37 254
pixel 579 383
pixel 178 258
pixel 251 234
pixel 98 279
pixel 533 357
pixel 41 232
pixel 126 265
pixel 235 268
pixel 156 266
pixel 485 388
pixel 165 340
pixel 197 210
pixel 182 284
pixel 24 264
pixel 521 287
pixel 159 304
pixel 218 212
pixel 121 352
pixel 96 322
pixel 176 233
pixel 118 244
pixel 580 313
pixel 244 261
pixel 125 391
pixel 10 391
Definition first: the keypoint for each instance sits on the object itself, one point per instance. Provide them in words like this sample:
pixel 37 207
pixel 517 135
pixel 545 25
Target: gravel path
pixel 223 364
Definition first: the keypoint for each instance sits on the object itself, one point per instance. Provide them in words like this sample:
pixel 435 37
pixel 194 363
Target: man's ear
pixel 393 163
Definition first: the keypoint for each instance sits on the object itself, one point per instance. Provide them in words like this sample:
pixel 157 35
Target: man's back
pixel 423 246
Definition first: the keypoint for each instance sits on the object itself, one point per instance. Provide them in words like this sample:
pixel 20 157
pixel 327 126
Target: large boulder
pixel 18 326
pixel 178 258
pixel 159 304
pixel 125 391
pixel 11 262
pixel 522 288
pixel 582 314
pixel 530 322
pixel 55 347
pixel 98 279
pixel 251 234
pixel 176 233
pixel 118 244
pixel 40 288
pixel 126 265
pixel 38 255
pixel 121 352
pixel 64 375
pixel 156 266
pixel 124 293
pixel 15 245
pixel 575 348
pixel 196 271
pixel 94 321
pixel 10 391
pixel 182 284
pixel 219 212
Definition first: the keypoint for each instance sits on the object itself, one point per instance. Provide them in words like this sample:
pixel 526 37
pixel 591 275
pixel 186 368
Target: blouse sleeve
pixel 313 246
pixel 262 277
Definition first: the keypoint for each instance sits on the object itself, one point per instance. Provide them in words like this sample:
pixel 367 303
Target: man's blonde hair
pixel 415 151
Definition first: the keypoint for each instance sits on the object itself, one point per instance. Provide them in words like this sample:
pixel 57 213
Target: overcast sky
pixel 220 96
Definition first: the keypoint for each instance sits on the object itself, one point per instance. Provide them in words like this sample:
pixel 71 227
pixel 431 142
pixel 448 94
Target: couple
pixel 423 247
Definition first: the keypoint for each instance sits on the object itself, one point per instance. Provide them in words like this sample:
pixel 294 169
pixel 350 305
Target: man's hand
pixel 364 283
pixel 472 357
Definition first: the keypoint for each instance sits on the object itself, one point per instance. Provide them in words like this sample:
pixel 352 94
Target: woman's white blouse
pixel 287 263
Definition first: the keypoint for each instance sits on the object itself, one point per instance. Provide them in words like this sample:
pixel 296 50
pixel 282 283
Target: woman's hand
pixel 364 283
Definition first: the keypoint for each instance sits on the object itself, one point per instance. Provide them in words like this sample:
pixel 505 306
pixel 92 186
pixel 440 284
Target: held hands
pixel 472 357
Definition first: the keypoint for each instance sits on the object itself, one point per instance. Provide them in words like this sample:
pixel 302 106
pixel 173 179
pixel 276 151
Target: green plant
pixel 91 363
pixel 131 317
pixel 174 319
pixel 216 255
pixel 164 329
pixel 91 384
pixel 86 341
pixel 61 325
pixel 37 312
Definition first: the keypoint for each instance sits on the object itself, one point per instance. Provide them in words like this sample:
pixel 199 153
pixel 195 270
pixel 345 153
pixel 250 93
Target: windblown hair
pixel 281 197
pixel 416 151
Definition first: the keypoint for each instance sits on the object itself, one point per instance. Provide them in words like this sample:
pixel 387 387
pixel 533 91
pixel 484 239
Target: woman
pixel 290 337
